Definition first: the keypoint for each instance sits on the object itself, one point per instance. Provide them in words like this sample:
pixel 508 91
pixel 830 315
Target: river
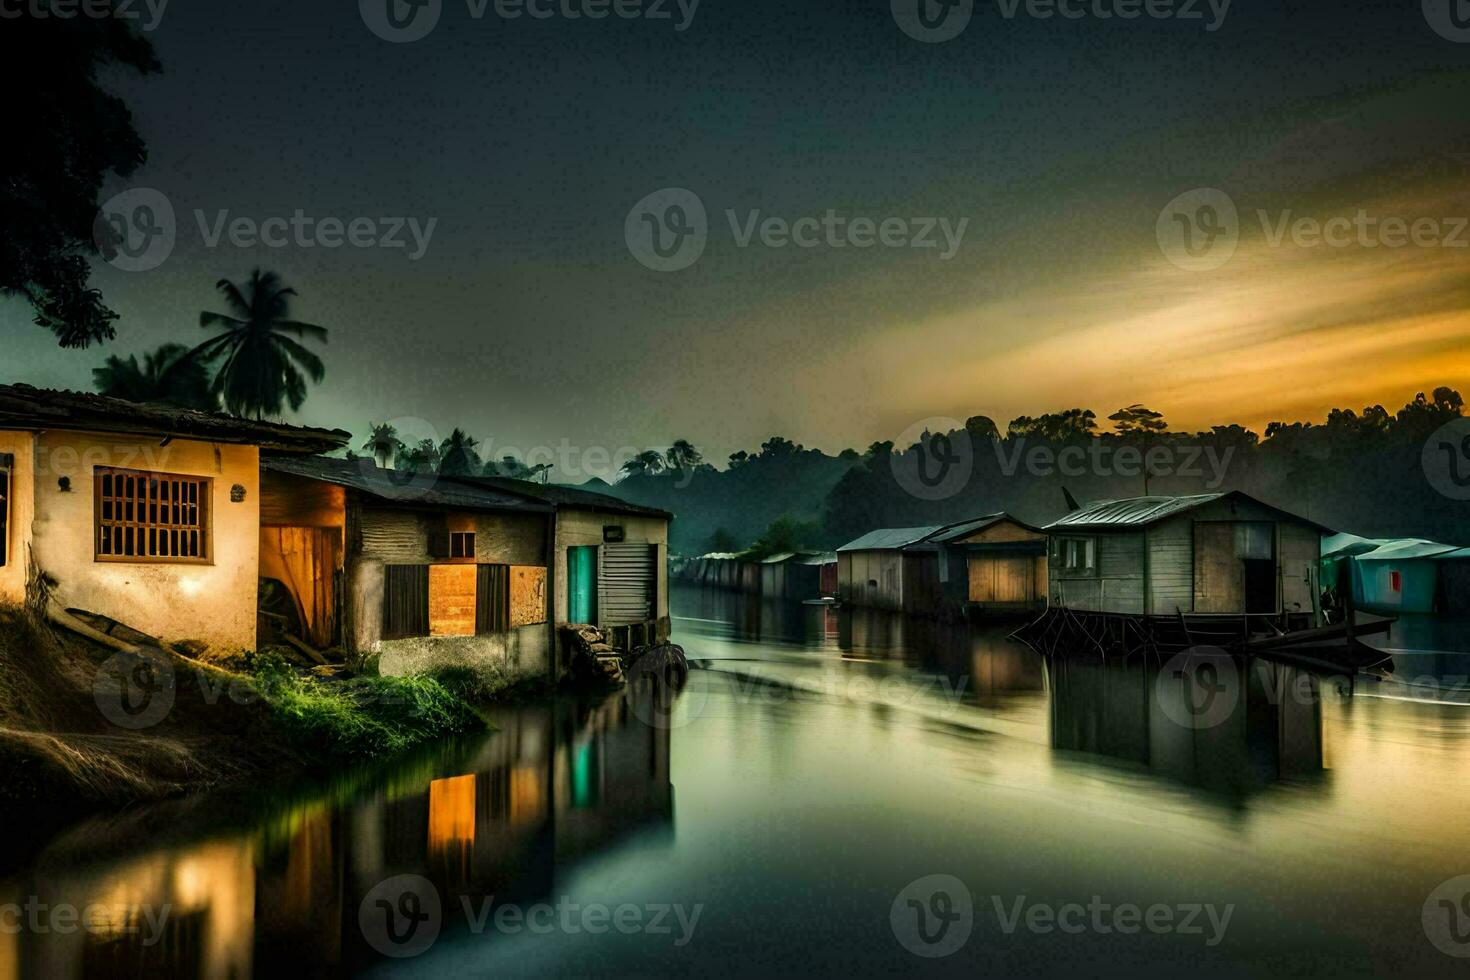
pixel 833 793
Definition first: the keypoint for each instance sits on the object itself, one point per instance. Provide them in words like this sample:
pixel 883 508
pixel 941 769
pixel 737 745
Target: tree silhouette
pixel 167 376
pixel 683 456
pixel 458 454
pixel 421 457
pixel 1135 420
pixel 650 462
pixel 67 135
pixel 383 443
pixel 262 365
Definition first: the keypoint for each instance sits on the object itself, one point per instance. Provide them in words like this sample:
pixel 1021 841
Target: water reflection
pixel 1325 815
pixel 1263 726
pixel 502 816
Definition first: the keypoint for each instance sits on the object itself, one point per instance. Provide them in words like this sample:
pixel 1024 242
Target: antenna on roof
pixel 1072 503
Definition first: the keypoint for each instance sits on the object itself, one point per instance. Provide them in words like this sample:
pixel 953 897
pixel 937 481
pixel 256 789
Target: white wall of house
pixel 213 601
pixel 21 445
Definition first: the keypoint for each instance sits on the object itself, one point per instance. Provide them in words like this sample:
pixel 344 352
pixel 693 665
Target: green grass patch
pixel 491 684
pixel 362 717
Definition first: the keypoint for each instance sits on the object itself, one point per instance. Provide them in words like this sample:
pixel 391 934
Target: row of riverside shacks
pixel 172 521
pixel 1209 555
pixel 994 564
pixel 792 576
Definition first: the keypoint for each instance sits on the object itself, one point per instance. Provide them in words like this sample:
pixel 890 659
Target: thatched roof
pixel 25 407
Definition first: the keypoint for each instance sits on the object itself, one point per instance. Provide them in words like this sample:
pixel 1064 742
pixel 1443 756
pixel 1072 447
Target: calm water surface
pixel 785 815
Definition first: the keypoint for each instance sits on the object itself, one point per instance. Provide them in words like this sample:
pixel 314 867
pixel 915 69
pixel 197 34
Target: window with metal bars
pixel 152 517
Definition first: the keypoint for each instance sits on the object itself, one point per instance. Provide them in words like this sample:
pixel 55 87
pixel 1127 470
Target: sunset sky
pixel 528 321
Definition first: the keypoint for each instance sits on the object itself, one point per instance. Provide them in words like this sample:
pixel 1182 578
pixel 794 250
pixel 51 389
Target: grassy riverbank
pixel 85 724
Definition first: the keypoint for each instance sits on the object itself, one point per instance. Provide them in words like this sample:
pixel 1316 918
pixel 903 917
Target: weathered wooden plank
pixel 527 595
pixel 452 600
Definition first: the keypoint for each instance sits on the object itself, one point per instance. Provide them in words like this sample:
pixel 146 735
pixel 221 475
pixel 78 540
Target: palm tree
pixel 683 456
pixel 421 457
pixel 383 443
pixel 168 376
pixel 263 367
pixel 649 462
pixel 458 456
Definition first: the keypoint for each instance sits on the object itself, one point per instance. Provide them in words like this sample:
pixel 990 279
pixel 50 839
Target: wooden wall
pixel 855 569
pixel 1189 565
pixel 402 536
pixel 294 501
pixel 1117 585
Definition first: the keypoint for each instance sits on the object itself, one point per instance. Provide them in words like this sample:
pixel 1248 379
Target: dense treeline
pixel 1356 471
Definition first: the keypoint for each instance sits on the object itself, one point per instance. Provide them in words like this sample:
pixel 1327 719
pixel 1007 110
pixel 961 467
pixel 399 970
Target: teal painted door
pixel 582 585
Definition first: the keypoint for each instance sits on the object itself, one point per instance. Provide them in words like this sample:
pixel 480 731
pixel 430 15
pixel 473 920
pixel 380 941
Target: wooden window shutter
pixel 492 598
pixel 438 537
pixel 405 601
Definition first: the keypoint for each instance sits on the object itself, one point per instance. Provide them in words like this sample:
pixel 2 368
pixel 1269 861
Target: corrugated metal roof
pixel 365 476
pixel 1141 511
pixel 891 538
pixel 1458 553
pixel 1404 549
pixel 778 558
pixel 562 495
pixel 1132 512
pixel 965 529
pixel 1346 545
pixel 822 558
